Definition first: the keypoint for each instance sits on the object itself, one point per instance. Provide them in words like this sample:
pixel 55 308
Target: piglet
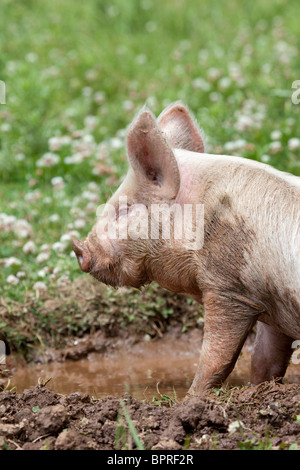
pixel 224 230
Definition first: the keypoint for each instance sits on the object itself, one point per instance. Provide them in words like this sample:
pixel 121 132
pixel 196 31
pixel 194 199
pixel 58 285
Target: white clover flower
pixel 49 159
pixel 91 75
pixel 235 426
pixel 58 182
pixel 276 135
pixel 251 116
pixel 73 159
pixel 47 200
pixel 21 274
pixel 294 143
pixel 13 280
pixel 88 138
pixel 229 146
pixel 213 74
pixel 90 122
pixel 63 281
pixel 55 143
pixel 215 96
pixel 33 196
pixel 79 223
pixel 93 186
pixel 85 146
pixel 151 102
pixel 116 143
pixel 91 206
pixel 128 106
pixel 90 196
pixel 41 273
pixel 31 57
pixel 235 145
pixel 5 127
pixel 45 247
pixel 244 122
pixel 200 83
pixel 29 247
pixel 54 218
pixel 74 234
pixel 7 222
pixel 265 158
pixel 12 261
pixel 275 146
pixel 40 286
pixel 99 97
pixel 66 237
pixel 59 246
pixel 22 228
pixel 87 91
pixel 42 257
pixel 224 83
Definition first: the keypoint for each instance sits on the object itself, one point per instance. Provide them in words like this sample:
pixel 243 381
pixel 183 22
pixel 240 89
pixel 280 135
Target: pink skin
pixel 230 274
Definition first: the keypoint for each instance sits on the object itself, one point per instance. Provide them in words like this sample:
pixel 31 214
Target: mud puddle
pixel 165 366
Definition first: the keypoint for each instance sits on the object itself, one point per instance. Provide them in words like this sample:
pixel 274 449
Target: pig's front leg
pixel 271 354
pixel 227 324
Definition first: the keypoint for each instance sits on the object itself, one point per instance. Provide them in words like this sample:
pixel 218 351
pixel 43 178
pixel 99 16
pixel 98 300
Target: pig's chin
pixel 109 275
pixel 107 279
pixel 116 277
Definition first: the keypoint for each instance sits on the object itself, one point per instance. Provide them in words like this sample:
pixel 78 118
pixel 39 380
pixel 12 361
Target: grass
pixel 131 428
pixel 76 74
pixel 164 400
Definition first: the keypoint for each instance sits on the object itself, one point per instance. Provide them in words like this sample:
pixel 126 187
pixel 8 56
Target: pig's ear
pixel 151 156
pixel 181 128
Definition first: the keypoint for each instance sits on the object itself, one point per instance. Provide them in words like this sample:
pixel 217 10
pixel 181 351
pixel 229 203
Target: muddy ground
pixel 262 417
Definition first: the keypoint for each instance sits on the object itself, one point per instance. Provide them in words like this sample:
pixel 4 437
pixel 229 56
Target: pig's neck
pixel 174 269
pixel 173 266
pixel 200 177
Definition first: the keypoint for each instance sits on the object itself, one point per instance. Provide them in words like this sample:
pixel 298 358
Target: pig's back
pixel 266 203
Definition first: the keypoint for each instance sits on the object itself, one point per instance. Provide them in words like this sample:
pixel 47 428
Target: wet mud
pixel 261 417
pixel 81 406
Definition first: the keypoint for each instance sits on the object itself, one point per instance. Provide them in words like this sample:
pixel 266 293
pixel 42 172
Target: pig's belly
pixel 287 324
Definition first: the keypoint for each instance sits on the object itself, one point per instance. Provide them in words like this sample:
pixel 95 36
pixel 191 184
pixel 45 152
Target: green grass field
pixel 77 72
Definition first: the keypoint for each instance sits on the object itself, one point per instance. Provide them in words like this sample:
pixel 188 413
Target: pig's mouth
pixel 89 262
pixel 91 259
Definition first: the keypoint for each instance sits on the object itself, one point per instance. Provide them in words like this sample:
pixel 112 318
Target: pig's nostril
pixel 83 255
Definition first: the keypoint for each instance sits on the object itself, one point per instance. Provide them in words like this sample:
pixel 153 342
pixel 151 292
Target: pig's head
pixel 125 247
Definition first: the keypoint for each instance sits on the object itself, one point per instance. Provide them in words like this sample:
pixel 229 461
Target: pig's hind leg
pixel 271 354
pixel 227 324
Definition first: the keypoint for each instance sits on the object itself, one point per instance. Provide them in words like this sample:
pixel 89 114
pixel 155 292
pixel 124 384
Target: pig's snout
pixel 83 255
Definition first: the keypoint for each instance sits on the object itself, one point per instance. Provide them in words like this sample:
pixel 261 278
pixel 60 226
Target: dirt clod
pixel 261 417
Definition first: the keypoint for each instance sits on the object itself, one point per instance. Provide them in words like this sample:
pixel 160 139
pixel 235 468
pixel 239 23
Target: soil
pixel 260 417
pixel 233 417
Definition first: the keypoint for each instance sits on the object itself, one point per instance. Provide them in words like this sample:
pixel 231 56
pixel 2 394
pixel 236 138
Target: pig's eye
pixel 121 211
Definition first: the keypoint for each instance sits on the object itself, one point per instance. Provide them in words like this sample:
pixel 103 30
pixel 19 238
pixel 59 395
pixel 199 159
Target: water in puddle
pixel 170 363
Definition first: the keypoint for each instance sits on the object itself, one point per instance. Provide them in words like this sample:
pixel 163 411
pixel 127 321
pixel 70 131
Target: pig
pixel 247 270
